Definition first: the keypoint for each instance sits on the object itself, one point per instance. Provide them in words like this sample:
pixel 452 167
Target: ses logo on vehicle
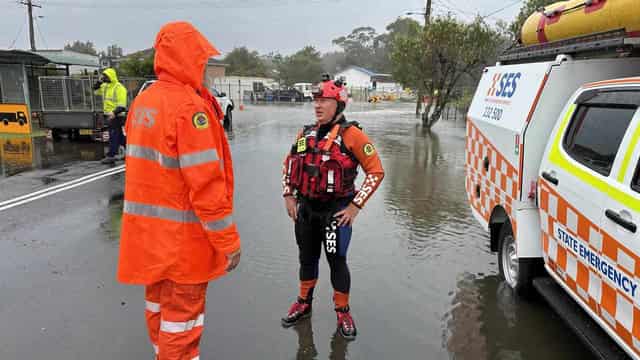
pixel 504 85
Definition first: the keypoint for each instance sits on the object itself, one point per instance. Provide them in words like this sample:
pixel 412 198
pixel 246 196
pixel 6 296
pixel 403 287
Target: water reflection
pixel 425 188
pixel 488 321
pixel 307 348
pixel 24 153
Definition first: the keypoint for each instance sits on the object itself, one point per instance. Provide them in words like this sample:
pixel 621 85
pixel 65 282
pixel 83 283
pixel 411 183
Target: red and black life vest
pixel 324 169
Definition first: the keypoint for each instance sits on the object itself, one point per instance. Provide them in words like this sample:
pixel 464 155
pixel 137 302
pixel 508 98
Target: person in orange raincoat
pixel 177 227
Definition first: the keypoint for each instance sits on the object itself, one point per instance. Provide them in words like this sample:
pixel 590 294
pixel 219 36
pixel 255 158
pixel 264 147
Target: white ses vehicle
pixel 225 102
pixel 553 174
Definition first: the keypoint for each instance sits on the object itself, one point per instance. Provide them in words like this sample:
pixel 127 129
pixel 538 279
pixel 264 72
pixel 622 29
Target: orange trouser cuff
pixel 341 299
pixel 306 288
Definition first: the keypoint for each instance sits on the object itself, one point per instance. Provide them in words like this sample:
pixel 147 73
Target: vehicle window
pixel 595 134
pixel 215 92
pixel 635 183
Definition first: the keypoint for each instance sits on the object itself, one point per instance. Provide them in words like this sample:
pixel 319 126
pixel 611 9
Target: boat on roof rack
pixel 617 43
pixel 580 28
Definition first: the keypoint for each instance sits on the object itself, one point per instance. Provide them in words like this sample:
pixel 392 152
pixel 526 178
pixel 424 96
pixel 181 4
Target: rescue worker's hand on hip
pixel 234 260
pixel 347 216
pixel 291 203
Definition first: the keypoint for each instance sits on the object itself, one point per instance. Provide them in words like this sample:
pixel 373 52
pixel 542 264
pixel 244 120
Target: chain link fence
pixel 255 90
pixel 68 93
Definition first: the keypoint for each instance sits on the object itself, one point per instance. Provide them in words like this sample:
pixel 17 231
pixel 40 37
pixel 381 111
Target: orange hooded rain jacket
pixel 177 222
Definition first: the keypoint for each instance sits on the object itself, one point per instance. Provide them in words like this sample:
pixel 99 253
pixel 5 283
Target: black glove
pixel 119 110
pixel 97 85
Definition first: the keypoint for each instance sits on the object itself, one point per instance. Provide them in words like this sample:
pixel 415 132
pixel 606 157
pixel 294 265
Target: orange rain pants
pixel 175 319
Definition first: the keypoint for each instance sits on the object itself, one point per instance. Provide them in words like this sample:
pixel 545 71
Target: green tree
pixel 333 62
pixel 82 47
pixel 435 59
pixel 363 47
pixel 242 62
pixel 400 27
pixel 303 66
pixel 527 9
pixel 137 67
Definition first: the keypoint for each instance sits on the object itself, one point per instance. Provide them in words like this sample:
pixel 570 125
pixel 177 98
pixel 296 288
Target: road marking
pixel 27 198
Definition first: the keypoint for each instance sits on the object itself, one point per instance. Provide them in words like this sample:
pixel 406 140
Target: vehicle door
pixel 578 177
pixel 620 265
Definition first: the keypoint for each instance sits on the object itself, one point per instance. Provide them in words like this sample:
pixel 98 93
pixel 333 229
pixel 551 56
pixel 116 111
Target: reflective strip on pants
pixel 178 327
pixel 152 307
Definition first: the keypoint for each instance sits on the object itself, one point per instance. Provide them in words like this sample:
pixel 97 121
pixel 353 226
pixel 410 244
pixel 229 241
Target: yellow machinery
pixel 15 119
pixel 574 18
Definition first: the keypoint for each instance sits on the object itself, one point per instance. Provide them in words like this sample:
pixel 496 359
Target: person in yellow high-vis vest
pixel 114 102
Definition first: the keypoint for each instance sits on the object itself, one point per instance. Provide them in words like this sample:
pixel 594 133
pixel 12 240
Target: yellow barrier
pixel 15 119
pixel 574 18
pixel 16 152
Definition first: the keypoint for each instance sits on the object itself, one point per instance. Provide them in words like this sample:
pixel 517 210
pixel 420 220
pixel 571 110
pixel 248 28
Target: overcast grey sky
pixel 265 25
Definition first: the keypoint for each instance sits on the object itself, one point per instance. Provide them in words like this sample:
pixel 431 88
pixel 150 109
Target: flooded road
pixel 424 285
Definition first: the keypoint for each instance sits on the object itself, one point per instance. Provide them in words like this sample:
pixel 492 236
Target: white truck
pixel 553 174
pixel 305 89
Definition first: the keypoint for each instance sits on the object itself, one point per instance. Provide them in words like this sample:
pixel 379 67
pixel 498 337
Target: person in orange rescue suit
pixel 320 196
pixel 177 228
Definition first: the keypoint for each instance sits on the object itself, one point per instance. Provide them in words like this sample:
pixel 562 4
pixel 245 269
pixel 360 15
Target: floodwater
pixel 424 284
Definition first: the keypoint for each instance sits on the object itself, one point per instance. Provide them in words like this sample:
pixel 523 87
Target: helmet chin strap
pixel 339 112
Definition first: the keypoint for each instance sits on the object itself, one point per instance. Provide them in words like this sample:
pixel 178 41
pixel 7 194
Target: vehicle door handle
pixel 616 218
pixel 550 178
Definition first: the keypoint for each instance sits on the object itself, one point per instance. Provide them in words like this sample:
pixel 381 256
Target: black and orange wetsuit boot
pixel 301 308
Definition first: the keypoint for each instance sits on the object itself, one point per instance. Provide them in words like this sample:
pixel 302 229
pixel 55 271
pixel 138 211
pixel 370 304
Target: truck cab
pixel 589 205
pixel 553 174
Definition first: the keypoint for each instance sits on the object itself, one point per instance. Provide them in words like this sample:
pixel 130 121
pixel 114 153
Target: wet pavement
pixel 424 285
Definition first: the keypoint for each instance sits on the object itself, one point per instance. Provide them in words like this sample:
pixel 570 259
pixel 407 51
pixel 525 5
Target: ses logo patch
pixel 504 85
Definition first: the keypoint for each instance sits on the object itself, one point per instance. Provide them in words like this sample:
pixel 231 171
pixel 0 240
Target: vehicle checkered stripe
pixel 615 307
pixel 498 185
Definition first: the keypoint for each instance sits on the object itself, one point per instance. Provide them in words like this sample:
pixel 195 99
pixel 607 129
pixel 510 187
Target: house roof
pixel 21 57
pixel 68 57
pixel 366 71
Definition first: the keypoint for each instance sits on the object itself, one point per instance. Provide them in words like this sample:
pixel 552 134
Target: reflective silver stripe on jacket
pixel 159 212
pixel 187 160
pixel 150 154
pixel 198 158
pixel 219 225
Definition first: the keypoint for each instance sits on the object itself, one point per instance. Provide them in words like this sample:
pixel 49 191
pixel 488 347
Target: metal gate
pixel 69 93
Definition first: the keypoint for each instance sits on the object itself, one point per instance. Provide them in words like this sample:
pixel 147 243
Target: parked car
pixel 291 95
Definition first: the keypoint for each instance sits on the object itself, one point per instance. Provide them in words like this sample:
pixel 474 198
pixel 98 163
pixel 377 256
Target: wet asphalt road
pixel 424 284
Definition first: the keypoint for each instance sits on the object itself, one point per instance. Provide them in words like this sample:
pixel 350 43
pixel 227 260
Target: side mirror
pixel 223 94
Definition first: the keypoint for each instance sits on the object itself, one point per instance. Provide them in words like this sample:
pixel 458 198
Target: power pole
pixel 427 13
pixel 32 36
